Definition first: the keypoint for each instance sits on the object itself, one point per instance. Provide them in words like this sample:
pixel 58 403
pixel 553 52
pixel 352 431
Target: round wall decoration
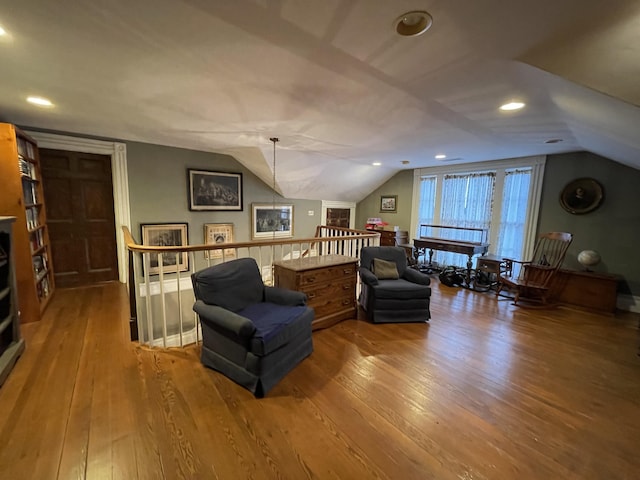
pixel 582 195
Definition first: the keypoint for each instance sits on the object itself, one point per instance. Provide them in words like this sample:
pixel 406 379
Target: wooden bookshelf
pixel 11 343
pixel 22 196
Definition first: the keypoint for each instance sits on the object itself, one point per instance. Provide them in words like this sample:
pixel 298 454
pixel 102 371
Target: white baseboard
pixel 188 338
pixel 629 303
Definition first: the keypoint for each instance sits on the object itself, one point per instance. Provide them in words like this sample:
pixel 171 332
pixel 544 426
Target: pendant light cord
pixel 274 140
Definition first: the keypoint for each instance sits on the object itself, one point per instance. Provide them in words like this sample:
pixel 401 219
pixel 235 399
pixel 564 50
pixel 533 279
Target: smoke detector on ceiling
pixel 414 23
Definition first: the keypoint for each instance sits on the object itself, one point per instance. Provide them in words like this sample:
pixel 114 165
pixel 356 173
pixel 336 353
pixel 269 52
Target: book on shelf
pixel 30 193
pixel 43 288
pixel 22 146
pixel 23 166
pixel 32 218
pixel 39 264
pixel 30 151
pixel 27 169
pixel 37 240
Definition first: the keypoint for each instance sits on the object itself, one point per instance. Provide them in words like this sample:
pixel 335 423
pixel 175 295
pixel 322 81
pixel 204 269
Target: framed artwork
pixel 388 203
pixel 166 235
pixel 271 221
pixel 582 195
pixel 215 234
pixel 214 190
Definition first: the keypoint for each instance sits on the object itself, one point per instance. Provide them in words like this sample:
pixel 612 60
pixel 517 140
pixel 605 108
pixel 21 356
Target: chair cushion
pixel 384 269
pixel 390 254
pixel 275 324
pixel 400 289
pixel 232 285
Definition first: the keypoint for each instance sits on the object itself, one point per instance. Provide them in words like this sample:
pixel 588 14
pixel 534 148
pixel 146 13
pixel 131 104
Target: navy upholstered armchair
pixel 391 291
pixel 252 333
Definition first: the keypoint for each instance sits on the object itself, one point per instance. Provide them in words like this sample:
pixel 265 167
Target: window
pixel 502 197
pixel 515 197
pixel 427 201
pixel 467 201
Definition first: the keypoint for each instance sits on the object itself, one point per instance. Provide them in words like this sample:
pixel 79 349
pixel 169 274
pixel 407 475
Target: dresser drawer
pixel 335 288
pixel 329 305
pixel 322 275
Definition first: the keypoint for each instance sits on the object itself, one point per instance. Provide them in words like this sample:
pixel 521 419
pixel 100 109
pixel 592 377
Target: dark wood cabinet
pixel 11 344
pixel 329 282
pixel 590 290
pixel 388 237
pixel 22 197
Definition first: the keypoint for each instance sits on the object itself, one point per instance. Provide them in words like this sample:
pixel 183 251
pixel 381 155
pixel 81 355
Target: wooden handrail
pixel 135 247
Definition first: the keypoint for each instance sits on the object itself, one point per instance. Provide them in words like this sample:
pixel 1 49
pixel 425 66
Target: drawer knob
pixel 311 295
pixel 310 279
pixel 346 302
pixel 346 287
pixel 346 271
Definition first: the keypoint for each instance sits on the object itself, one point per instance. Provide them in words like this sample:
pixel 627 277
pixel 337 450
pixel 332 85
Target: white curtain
pixel 427 208
pixel 467 201
pixel 515 198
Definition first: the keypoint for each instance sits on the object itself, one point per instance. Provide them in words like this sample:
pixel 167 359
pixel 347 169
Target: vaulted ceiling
pixel 332 79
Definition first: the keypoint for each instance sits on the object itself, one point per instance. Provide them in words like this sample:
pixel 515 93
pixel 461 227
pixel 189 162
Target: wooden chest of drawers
pixel 329 282
pixel 387 237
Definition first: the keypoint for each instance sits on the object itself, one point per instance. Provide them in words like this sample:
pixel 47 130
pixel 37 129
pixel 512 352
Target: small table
pixel 487 271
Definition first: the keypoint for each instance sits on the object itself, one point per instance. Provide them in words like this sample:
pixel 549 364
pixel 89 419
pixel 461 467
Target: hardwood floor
pixel 485 391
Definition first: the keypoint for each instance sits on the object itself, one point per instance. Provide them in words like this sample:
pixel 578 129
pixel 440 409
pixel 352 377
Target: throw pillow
pixel 385 270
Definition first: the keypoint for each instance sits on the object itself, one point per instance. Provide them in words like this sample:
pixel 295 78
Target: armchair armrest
pixel 283 296
pixel 224 319
pixel 511 260
pixel 368 277
pixel 415 276
pixel 507 267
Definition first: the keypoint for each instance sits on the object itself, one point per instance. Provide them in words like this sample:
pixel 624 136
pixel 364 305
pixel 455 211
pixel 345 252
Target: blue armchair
pixel 391 291
pixel 252 333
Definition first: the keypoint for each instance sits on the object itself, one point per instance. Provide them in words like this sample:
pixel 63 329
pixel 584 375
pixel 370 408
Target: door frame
pixel 119 177
pixel 337 204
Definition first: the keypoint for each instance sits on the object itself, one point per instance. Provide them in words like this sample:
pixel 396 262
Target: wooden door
pixel 78 191
pixel 338 217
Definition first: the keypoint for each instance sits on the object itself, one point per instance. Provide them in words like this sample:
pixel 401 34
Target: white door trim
pixel 336 204
pixel 118 153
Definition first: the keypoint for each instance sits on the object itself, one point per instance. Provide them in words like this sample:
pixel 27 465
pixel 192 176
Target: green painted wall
pixel 612 230
pixel 401 184
pixel 158 192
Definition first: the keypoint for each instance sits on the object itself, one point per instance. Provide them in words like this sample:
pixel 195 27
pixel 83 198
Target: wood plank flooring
pixel 484 391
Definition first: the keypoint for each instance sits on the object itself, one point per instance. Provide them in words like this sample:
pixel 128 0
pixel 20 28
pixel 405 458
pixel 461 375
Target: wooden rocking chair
pixel 532 279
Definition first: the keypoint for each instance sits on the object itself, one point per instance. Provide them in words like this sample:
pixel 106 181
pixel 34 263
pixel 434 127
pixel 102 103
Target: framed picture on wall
pixel 271 221
pixel 388 203
pixel 220 191
pixel 166 235
pixel 219 233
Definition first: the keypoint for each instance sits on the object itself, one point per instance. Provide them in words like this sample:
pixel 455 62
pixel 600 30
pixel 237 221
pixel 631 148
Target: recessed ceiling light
pixel 2 31
pixel 376 164
pixel 512 106
pixel 413 23
pixel 40 101
pixel 554 140
pixel 405 162
pixel 441 156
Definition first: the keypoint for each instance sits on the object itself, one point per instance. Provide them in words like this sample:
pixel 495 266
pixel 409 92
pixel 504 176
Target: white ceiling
pixel 332 80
